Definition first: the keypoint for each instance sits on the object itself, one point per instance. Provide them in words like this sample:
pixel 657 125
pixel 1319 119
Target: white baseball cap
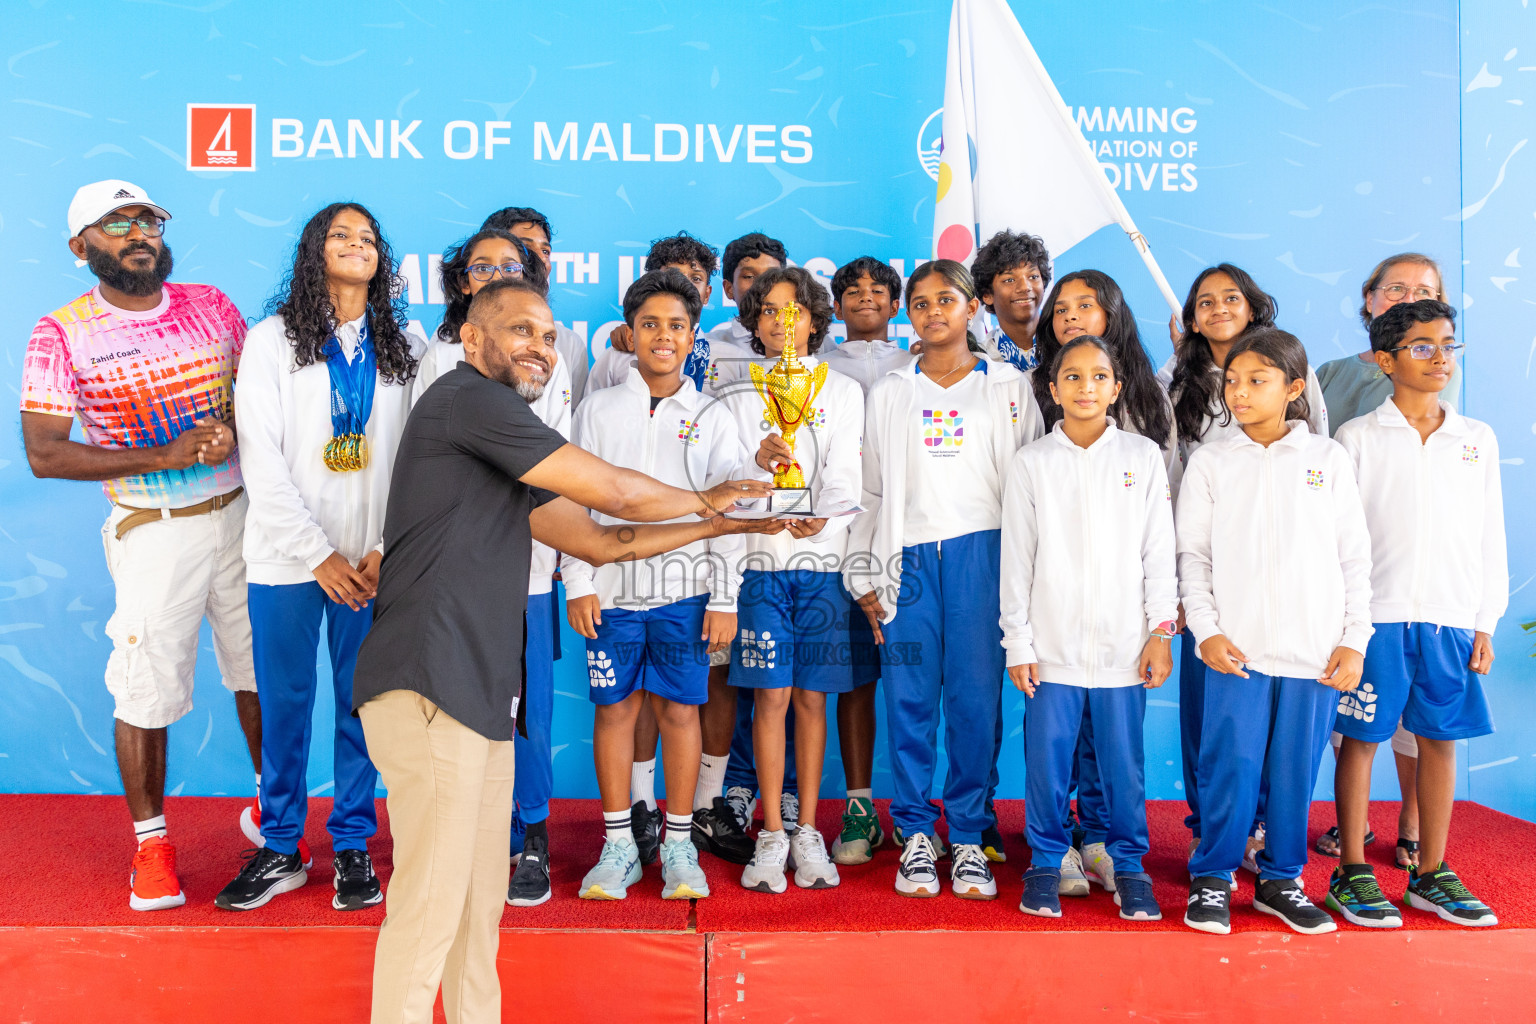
pixel 94 201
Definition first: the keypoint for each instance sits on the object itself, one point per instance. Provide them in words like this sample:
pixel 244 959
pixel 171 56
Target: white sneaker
pixel 765 871
pixel 1073 881
pixel 789 810
pixel 970 876
pixel 813 868
pixel 917 875
pixel 616 870
pixel 1251 851
pixel 1099 866
pixel 743 804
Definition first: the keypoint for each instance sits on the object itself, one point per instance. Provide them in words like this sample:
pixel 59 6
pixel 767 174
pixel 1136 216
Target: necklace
pixel 941 380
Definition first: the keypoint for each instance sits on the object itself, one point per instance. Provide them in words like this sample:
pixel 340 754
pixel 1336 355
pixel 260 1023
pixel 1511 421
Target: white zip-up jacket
pixel 1087 557
pixel 1317 420
pixel 890 416
pixel 553 407
pixel 300 511
pixel 827 448
pixel 1274 552
pixel 1436 515
pixel 690 442
pixel 866 361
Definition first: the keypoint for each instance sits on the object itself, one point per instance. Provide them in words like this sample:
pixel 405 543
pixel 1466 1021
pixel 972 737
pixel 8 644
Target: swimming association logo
pixel 930 143
pixel 943 432
pixel 221 136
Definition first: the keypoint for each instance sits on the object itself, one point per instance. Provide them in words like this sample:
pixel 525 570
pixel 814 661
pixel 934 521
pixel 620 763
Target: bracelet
pixel 1165 637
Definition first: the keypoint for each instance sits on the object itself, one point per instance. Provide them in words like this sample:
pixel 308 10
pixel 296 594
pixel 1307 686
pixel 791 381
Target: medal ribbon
pixel 351 401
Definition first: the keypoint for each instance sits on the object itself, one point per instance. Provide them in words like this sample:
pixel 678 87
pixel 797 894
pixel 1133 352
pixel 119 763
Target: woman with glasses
pixel 492 254
pixel 1354 385
pixel 325 387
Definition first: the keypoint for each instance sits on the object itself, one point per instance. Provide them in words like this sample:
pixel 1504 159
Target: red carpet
pixel 83 846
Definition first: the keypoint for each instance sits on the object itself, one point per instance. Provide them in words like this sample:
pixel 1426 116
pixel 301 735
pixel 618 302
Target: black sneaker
pixel 356 884
pixel 646 826
pixel 1284 898
pixel 1441 892
pixel 1353 892
pixel 1079 835
pixel 715 829
pixel 1208 909
pixel 530 882
pixel 266 873
pixel 992 843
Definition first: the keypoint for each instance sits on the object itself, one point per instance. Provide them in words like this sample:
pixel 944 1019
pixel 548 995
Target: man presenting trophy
pixel 792 613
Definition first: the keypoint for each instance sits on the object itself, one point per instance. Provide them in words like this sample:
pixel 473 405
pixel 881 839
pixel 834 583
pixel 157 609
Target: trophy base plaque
pixel 790 501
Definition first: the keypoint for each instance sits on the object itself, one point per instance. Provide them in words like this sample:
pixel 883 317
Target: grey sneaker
pixel 765 871
pixel 1073 881
pixel 743 804
pixel 813 868
pixel 789 810
pixel 681 876
pixel 617 869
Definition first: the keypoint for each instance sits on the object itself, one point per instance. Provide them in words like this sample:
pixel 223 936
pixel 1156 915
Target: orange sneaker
pixel 153 884
pixel 250 825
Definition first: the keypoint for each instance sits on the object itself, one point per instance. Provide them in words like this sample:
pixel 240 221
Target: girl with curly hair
pixel 322 398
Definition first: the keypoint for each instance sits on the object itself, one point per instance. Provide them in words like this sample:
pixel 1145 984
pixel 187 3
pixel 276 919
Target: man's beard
pixel 504 372
pixel 110 270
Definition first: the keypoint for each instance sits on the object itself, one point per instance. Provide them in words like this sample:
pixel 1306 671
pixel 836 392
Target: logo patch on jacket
pixel 1315 479
pixel 942 430
pixel 688 432
pixel 817 420
pixel 1469 453
pixel 565 396
pixel 1013 411
pixel 1130 480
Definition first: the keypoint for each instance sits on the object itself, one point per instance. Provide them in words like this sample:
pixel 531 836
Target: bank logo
pixel 930 143
pixel 221 136
pixel 944 432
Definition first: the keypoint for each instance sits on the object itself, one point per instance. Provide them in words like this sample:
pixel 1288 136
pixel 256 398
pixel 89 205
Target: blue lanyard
pixel 352 387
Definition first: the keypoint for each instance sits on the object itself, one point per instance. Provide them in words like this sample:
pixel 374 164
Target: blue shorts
pixel 792 630
pixel 1418 672
pixel 657 650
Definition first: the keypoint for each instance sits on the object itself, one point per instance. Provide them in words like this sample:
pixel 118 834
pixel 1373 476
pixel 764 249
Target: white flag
pixel 1012 155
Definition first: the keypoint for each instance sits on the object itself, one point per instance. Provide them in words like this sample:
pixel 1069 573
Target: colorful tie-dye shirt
pixel 138 379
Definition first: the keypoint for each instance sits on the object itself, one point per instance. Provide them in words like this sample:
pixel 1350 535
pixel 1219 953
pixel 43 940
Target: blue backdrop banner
pixel 1302 143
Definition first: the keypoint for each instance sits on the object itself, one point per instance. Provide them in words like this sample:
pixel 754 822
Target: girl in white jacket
pixel 1275 572
pixel 325 387
pixel 939 436
pixel 1088 601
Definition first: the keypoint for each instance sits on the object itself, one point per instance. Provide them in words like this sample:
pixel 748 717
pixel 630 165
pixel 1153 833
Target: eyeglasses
pixel 1397 292
pixel 487 272
pixel 117 226
pixel 1428 351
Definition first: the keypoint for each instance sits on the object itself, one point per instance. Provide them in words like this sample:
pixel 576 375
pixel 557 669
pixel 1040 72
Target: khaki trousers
pixel 450 812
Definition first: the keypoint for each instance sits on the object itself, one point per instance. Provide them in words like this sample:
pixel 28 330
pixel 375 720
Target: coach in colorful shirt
pixel 149 368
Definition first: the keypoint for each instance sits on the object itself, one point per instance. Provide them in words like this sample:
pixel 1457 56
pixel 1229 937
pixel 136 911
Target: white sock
pixel 617 825
pixel 864 794
pixel 258 787
pixel 711 781
pixel 642 783
pixel 150 828
pixel 679 828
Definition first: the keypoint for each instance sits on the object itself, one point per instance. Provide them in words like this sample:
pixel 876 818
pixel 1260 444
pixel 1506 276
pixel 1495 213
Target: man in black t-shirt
pixel 439 679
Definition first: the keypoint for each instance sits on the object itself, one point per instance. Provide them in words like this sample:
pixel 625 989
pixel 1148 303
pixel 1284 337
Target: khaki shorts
pixel 169 575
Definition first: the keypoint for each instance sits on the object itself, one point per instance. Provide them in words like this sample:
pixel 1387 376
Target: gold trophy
pixel 787 391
